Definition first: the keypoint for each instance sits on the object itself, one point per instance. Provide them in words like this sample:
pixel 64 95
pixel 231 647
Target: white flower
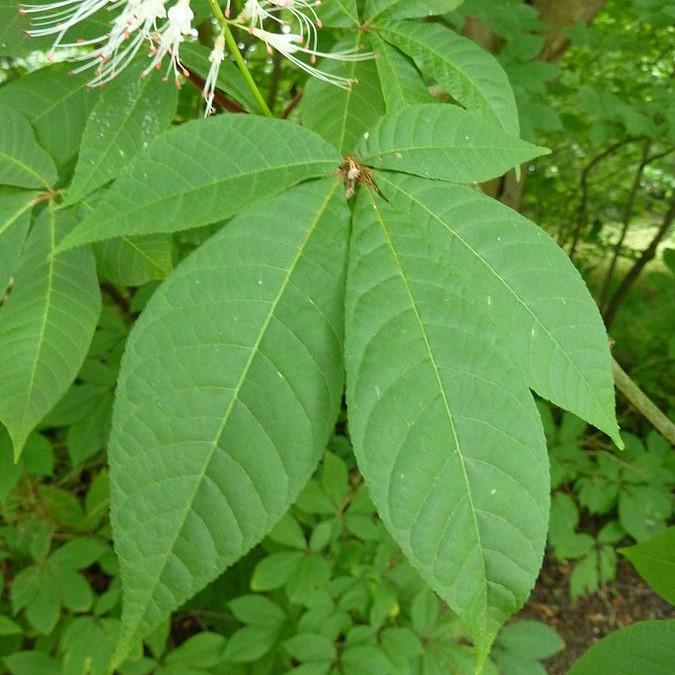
pixel 56 18
pixel 216 57
pixel 135 26
pixel 168 38
pixel 138 23
pixel 290 44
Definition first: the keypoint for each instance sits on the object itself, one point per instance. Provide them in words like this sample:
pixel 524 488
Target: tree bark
pixel 634 272
pixel 560 15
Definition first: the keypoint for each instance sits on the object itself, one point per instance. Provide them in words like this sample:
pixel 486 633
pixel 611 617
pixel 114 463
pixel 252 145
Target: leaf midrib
pixel 43 328
pixel 446 404
pixel 84 225
pixel 235 394
pixel 501 279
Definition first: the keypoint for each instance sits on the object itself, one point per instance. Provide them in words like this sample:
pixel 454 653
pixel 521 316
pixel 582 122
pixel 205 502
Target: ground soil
pixel 583 622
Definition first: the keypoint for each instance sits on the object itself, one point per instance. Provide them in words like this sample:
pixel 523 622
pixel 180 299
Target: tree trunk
pixel 560 15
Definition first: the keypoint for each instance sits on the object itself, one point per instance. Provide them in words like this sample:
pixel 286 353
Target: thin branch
pixel 292 105
pixel 625 223
pixel 642 403
pixel 627 217
pixel 582 218
pixel 648 254
pixel 223 101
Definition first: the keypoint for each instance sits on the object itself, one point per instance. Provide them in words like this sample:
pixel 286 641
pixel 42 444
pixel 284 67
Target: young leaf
pixel 127 115
pixel 443 142
pixel 545 316
pixel 45 327
pixel 15 208
pixel 645 647
pixel 203 172
pixel 23 163
pixel 244 333
pixel 378 10
pixel 471 75
pixel 654 559
pixel 342 115
pixel 401 82
pixel 53 98
pixel 444 428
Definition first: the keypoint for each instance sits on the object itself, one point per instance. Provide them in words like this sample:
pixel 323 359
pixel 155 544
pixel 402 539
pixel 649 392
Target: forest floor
pixel 583 621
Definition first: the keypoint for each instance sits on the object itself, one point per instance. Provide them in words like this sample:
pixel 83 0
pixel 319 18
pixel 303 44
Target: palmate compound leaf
pixel 204 171
pixel 545 317
pixel 443 142
pixel 46 326
pixel 469 73
pixel 445 430
pixel 229 387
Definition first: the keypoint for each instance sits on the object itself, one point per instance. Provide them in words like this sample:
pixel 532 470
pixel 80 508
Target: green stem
pixel 234 49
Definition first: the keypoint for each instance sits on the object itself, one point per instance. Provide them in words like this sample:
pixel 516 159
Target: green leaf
pixel 133 261
pixel 377 10
pixel 646 647
pixel 310 647
pixel 203 650
pixel 45 327
pixel 9 627
pixel 23 163
pixel 471 75
pixel 339 13
pixel 256 609
pixel 544 315
pixel 32 663
pixel 365 660
pixel 15 209
pixel 654 559
pixel 644 510
pixel 341 116
pixel 196 446
pixel 129 113
pixel 445 431
pixel 251 643
pixel 443 142
pixel 275 570
pixel 401 82
pixel 530 640
pixel 203 172
pixel 53 98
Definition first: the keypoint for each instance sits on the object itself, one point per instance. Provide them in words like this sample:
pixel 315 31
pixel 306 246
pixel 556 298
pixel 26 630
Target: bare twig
pixel 634 272
pixel 627 217
pixel 292 104
pixel 582 217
